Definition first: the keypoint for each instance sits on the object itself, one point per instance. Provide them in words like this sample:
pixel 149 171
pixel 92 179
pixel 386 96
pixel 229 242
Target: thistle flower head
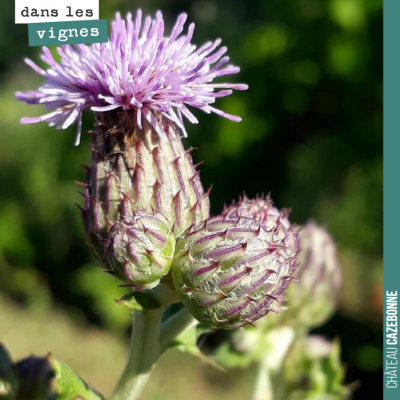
pixel 230 270
pixel 313 299
pixel 138 68
pixel 140 249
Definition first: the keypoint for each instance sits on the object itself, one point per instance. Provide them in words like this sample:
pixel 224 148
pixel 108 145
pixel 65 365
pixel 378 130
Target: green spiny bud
pixel 229 270
pixel 140 249
pixel 313 299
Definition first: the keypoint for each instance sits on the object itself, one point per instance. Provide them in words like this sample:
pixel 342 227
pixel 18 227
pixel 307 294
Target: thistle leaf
pixel 69 386
pixel 187 341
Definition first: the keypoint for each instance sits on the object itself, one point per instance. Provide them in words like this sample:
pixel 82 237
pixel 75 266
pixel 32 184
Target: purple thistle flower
pixel 138 68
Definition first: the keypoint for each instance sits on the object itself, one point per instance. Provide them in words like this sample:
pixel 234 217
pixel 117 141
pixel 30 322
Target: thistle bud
pixel 313 299
pixel 140 249
pixel 230 270
pixel 134 169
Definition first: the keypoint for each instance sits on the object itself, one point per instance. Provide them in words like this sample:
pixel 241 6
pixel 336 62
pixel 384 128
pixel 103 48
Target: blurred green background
pixel 311 135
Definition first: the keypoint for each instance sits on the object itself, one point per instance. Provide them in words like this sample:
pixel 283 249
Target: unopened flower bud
pixel 229 270
pixel 140 249
pixel 313 298
pixel 133 169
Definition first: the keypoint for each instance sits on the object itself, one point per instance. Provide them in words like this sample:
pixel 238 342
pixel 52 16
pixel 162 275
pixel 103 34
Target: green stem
pixel 144 352
pixel 149 340
pixel 263 389
pixel 175 325
pixel 278 343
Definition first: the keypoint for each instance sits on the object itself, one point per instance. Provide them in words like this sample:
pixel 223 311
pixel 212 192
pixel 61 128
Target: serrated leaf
pixel 129 301
pixel 148 299
pixel 69 386
pixel 333 370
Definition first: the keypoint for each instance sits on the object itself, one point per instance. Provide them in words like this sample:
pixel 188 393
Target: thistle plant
pixel 145 212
